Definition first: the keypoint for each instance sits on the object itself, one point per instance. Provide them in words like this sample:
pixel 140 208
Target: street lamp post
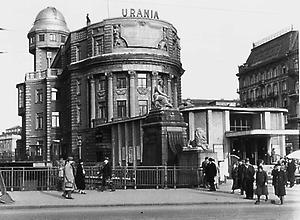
pixel 79 144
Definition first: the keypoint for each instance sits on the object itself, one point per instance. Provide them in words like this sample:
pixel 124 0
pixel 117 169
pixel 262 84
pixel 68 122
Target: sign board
pixel 219 149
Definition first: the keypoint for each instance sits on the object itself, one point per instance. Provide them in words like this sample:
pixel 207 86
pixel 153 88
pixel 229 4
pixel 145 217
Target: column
pixel 175 98
pixel 153 83
pixel 110 97
pixel 267 120
pixel 209 129
pixel 132 92
pixel 191 125
pixel 170 87
pixel 92 100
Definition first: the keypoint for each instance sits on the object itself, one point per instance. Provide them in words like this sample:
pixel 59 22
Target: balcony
pixel 293 94
pixel 99 121
pixel 38 75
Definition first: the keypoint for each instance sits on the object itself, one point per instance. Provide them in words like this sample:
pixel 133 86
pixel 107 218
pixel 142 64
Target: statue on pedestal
pixel 200 140
pixel 161 99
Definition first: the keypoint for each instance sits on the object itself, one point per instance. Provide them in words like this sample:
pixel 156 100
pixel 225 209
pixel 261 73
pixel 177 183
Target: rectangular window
pixel 39 121
pixel 142 80
pixel 39 148
pixel 98 46
pixel 121 109
pixel 143 107
pixel 53 94
pixel 62 38
pixel 101 85
pixel 101 110
pixel 78 53
pixel 21 97
pixel 78 90
pixel 41 37
pixel 31 40
pixel 55 119
pixel 78 111
pixel 39 96
pixel 52 37
pixel 121 82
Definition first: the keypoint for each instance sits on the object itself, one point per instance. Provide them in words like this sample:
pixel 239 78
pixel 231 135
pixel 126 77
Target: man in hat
pixel 249 172
pixel 106 175
pixel 211 172
pixel 69 180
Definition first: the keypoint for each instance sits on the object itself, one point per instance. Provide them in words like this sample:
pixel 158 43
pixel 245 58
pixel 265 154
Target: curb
pixel 12 207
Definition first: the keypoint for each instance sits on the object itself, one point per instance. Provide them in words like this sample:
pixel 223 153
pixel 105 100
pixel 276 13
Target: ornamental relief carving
pixel 121 91
pixel 101 94
pixel 143 90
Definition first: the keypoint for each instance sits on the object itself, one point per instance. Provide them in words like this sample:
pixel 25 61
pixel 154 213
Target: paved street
pixel 197 203
pixel 180 212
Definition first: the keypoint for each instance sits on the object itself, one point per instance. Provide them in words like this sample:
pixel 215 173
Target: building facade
pixel 95 84
pixel 238 132
pixel 8 144
pixel 270 78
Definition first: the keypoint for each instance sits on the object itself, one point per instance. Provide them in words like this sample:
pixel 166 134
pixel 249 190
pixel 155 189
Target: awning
pixel 261 132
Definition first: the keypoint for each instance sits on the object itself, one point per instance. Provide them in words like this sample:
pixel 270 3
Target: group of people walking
pixel 210 171
pixel 73 179
pixel 244 176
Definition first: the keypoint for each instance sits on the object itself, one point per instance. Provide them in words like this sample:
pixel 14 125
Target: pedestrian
pixel 291 168
pixel 279 181
pixel 60 166
pixel 68 178
pixel 80 177
pixel 241 168
pixel 203 165
pixel 211 172
pixel 261 184
pixel 107 175
pixel 249 173
pixel 234 176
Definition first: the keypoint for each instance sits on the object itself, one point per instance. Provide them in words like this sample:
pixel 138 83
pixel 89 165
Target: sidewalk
pixel 131 197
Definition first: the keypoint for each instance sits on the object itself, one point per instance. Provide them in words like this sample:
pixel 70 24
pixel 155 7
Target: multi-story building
pixel 8 143
pixel 38 102
pixel 91 88
pixel 270 78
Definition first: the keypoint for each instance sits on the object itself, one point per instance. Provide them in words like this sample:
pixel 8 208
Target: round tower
pixel 46 36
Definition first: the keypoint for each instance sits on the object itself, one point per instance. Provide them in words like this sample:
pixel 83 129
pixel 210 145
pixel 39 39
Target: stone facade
pixel 270 78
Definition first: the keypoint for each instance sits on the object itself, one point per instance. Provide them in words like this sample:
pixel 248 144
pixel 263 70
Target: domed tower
pixel 48 33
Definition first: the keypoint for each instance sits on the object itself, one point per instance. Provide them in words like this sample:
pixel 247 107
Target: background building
pixel 270 78
pixel 8 144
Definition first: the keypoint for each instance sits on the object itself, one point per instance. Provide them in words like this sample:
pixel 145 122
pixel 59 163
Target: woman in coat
pixel 68 178
pixel 261 184
pixel 279 181
pixel 80 177
pixel 234 176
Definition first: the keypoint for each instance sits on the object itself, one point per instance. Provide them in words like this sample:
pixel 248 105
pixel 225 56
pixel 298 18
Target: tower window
pixel 52 37
pixel 53 94
pixel 41 37
pixel 39 96
pixel 101 110
pixel 62 38
pixel 55 119
pixel 39 121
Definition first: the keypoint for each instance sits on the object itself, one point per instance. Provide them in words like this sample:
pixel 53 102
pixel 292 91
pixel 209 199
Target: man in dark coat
pixel 279 181
pixel 241 168
pixel 204 164
pixel 106 175
pixel 291 168
pixel 249 172
pixel 211 172
pixel 80 177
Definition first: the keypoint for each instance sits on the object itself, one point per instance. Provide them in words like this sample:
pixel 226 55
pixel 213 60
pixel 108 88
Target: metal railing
pixel 24 178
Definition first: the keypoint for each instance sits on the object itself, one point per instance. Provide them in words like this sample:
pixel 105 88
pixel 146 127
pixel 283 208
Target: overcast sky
pixel 216 37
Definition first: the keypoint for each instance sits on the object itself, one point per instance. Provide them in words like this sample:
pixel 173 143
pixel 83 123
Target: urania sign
pixel 140 13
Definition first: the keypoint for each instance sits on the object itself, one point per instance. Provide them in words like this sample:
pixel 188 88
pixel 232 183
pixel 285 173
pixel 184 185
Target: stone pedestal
pixel 164 137
pixel 194 157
